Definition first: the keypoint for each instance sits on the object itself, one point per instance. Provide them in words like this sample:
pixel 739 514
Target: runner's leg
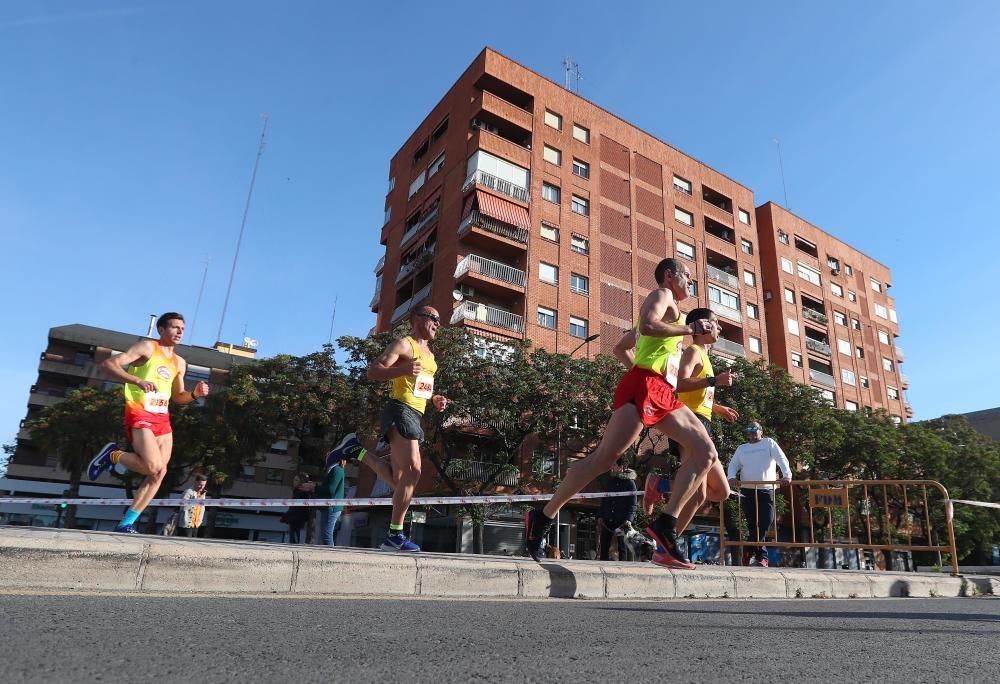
pixel 405 456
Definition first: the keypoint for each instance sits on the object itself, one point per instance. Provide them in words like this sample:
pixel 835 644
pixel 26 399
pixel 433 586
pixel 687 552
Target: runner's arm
pixel 385 366
pixel 625 349
pixel 115 366
pixel 651 316
pixel 690 367
pixel 181 396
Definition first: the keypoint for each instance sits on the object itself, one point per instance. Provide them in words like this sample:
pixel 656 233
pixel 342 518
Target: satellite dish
pixel 457 295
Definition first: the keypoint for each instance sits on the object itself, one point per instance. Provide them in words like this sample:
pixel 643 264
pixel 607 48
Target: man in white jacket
pixel 758 460
pixel 191 517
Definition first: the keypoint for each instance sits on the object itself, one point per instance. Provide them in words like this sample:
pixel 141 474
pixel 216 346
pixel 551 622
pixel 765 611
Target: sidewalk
pixel 52 559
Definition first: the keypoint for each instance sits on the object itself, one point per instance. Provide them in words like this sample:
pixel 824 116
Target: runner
pixel 410 365
pixel 645 397
pixel 155 376
pixel 696 383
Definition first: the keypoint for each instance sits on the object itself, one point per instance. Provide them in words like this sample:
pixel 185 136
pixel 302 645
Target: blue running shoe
pixel 127 529
pixel 399 542
pixel 348 449
pixel 101 462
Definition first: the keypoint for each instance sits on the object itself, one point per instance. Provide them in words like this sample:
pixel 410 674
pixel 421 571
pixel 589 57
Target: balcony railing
pixel 490 224
pixel 497 184
pixel 727 311
pixel 480 471
pixel 418 262
pixel 814 316
pixel 374 301
pixel 822 378
pixel 904 381
pixel 419 226
pixel 720 276
pixel 483 313
pixel 899 354
pixel 820 348
pixel 408 305
pixel 380 264
pixel 729 347
pixel 491 269
pixel 401 309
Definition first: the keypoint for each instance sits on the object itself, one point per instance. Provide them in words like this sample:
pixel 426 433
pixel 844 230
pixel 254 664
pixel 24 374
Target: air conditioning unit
pixel 477 123
pixel 767 295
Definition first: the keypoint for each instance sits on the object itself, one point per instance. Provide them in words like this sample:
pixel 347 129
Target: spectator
pixel 296 517
pixel 332 487
pixel 191 517
pixel 617 510
pixel 757 461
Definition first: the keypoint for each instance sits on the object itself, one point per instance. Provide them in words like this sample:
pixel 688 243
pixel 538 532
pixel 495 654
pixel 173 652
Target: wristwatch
pixel 711 380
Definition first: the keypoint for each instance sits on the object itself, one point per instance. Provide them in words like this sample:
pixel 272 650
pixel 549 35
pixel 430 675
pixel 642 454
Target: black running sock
pixel 667 523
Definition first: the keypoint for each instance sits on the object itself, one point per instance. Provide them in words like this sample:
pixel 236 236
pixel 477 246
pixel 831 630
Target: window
pixel 749 278
pixel 789 296
pixel 682 185
pixel 892 315
pixel 753 311
pixel 864 381
pixel 828 396
pixel 274 475
pixel 796 360
pixel 847 376
pixel 755 344
pixel 844 347
pixel 848 270
pixel 836 289
pixel 793 326
pixel 782 237
pixel 546 318
pixel 685 250
pixel 786 265
pixel 892 392
pixel 579 284
pixel 723 297
pixel 554 120
pixel 580 206
pixel 888 365
pixel 247 474
pixel 550 232
pixel 392 184
pixel 552 155
pixel 809 273
pixel 548 273
pixel 436 165
pixel 876 285
pixel 850 405
pixel 746 246
pixel 839 318
pixel 881 311
pixel 832 263
pixel 856 324
pixel 577 326
pixel 579 244
pixel 859 352
pixel 517 176
pixel 851 296
pixel 804 245
pixel 745 216
pixel 551 192
pixel 387 215
pixel 581 168
pixel 897 420
pixel 580 133
pixel 417 183
pixel 883 337
pixel 693 288
pixel 685 217
pixel 439 131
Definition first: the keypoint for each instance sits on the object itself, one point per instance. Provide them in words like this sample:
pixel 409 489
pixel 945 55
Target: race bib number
pixel 423 386
pixel 673 367
pixel 709 398
pixel 156 402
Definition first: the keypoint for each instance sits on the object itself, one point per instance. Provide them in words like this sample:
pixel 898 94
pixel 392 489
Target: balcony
pixel 516 150
pixel 822 378
pixel 814 316
pixel 900 356
pixel 908 408
pixel 480 471
pixel 505 187
pixel 425 221
pixel 818 347
pixel 726 311
pixel 493 270
pixel 408 305
pixel 509 111
pixel 729 347
pixel 373 304
pixel 425 257
pixel 904 381
pixel 488 224
pixel 489 315
pixel 720 276
pixel 380 264
pixel 45 397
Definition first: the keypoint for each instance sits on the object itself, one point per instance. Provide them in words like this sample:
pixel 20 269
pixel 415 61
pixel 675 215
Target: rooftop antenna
pixel 197 307
pixel 243 224
pixel 568 66
pixel 781 168
pixel 152 325
pixel 578 76
pixel 333 317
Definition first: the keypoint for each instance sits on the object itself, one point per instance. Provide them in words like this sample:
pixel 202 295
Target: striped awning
pixel 502 210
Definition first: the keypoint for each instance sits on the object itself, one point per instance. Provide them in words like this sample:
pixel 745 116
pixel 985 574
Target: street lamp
pixel 588 340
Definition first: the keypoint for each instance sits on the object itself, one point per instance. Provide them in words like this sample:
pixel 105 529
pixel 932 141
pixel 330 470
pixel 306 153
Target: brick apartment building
pixel 830 320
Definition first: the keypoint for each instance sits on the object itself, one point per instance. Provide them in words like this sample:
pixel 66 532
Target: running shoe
pixel 127 529
pixel 102 461
pixel 666 546
pixel 653 493
pixel 668 560
pixel 536 528
pixel 399 542
pixel 347 449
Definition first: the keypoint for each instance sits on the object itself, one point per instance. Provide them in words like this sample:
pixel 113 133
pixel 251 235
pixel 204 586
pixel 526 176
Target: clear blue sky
pixel 128 132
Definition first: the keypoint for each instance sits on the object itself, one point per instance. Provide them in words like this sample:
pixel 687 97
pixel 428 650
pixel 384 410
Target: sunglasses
pixel 433 317
pixel 753 428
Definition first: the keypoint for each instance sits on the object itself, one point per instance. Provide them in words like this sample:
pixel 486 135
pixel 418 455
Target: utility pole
pixel 243 225
pixel 197 307
pixel 333 317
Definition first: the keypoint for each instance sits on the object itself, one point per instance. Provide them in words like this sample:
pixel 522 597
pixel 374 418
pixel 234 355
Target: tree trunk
pixel 478 537
pixel 69 522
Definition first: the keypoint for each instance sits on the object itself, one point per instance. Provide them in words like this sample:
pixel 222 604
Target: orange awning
pixel 502 210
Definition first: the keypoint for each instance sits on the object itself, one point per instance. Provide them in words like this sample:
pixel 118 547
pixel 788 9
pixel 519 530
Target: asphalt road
pixel 115 638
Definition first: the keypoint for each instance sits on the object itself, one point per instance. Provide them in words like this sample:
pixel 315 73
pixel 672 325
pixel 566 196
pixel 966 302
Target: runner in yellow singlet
pixel 154 378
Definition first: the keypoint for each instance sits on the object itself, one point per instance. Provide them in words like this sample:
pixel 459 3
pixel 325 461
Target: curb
pixel 36 558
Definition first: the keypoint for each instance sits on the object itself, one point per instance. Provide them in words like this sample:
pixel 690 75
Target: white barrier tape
pixel 984 504
pixel 312 503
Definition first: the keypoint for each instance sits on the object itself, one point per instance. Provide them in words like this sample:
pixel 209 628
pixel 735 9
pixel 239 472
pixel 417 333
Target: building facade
pixel 830 319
